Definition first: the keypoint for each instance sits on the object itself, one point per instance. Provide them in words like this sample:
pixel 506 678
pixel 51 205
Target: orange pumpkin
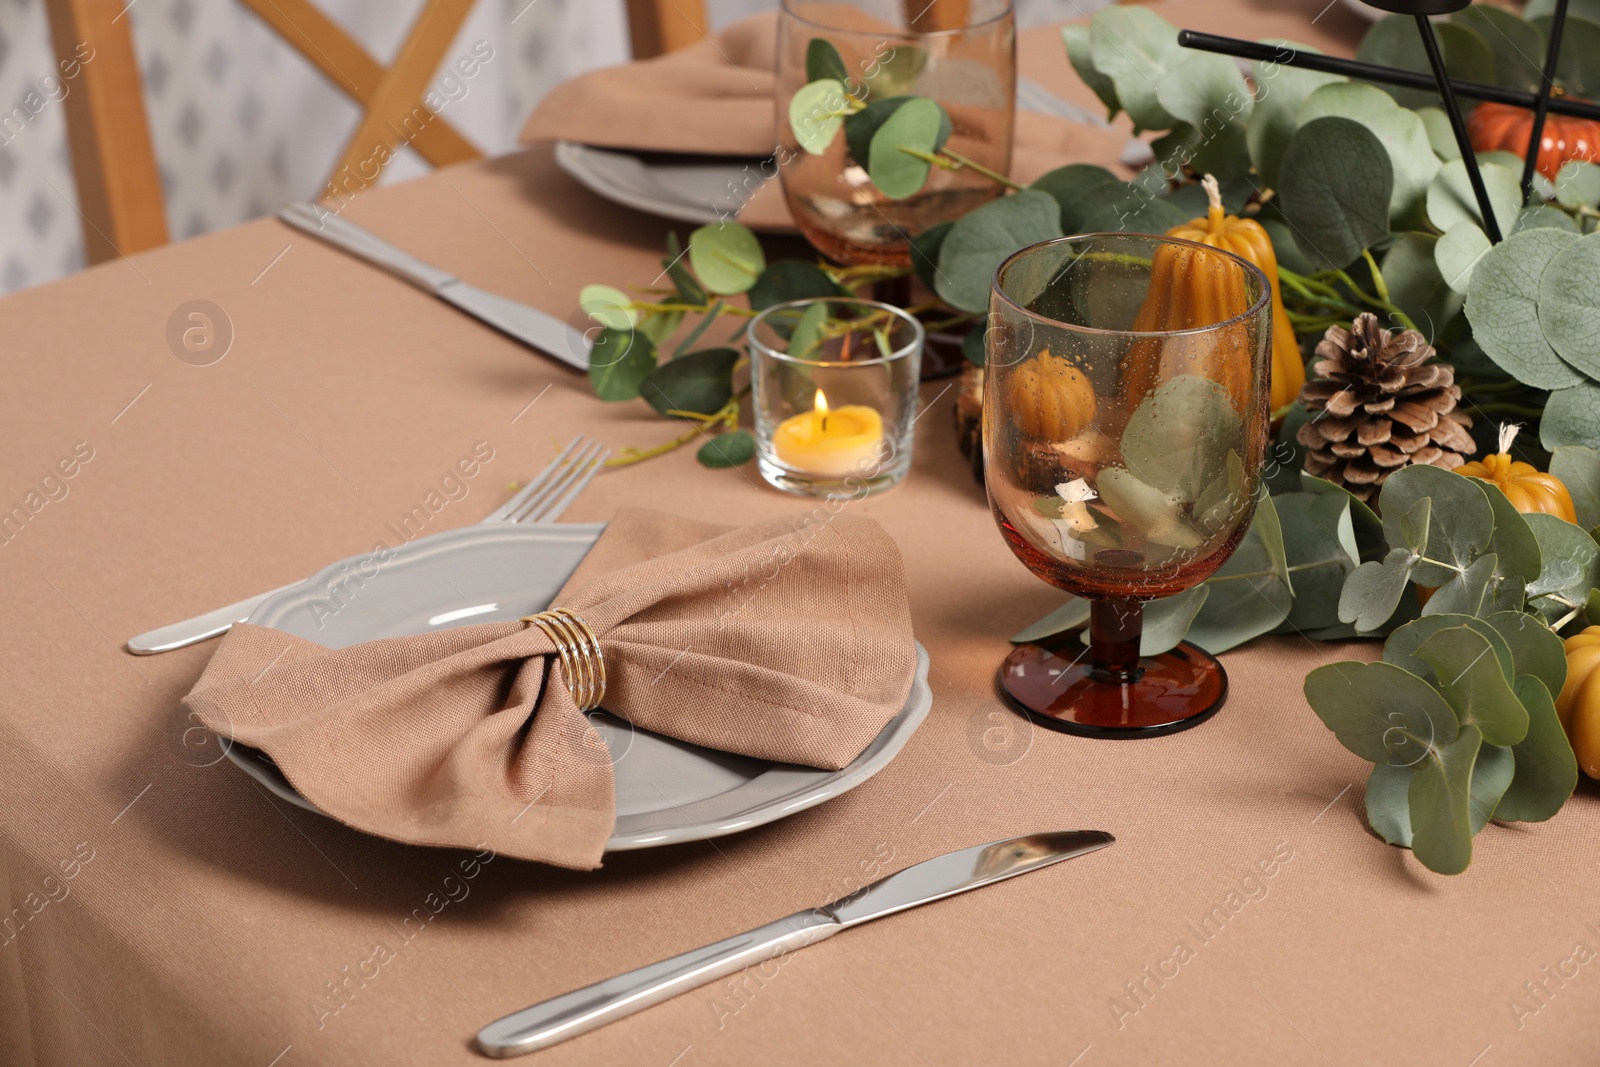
pixel 1528 489
pixel 1502 127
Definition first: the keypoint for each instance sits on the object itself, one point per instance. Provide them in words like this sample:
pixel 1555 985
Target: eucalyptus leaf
pixel 1166 620
pixel 1401 647
pixel 1207 91
pixel 1441 795
pixel 805 342
pixel 1503 307
pixel 1536 651
pixel 1155 513
pixel 1491 776
pixel 1441 135
pixel 985 236
pixel 1076 37
pixel 1546 769
pixel 1536 216
pixel 1462 522
pixel 1572 416
pixel 1466 54
pixel 1336 181
pixel 1579 68
pixel 699 382
pixel 1578 468
pixel 1393 42
pixel 1372 592
pixel 1539 9
pixel 974 344
pixel 1578 184
pixel 689 289
pixel 1178 438
pixel 726 257
pixel 1319 540
pixel 1381 713
pixel 1569 304
pixel 1513 542
pixel 1517 46
pixel 1467 592
pixel 925 252
pixel 1370 540
pixel 618 362
pixel 895 160
pixel 861 127
pixel 1401 132
pixel 824 62
pixel 1136 49
pixel 1389 803
pixel 1415 284
pixel 727 450
pixel 816 112
pixel 608 306
pixel 1458 252
pixel 1279 91
pixel 1250 594
pixel 1468 673
pixel 1571 559
pixel 1069 616
pixel 1450 198
pixel 784 280
pixel 1284 243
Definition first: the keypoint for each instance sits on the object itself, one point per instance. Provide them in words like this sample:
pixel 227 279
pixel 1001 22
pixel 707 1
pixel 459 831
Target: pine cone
pixel 1377 405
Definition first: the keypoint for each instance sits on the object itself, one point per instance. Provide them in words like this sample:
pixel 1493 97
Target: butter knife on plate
pixel 582 1010
pixel 535 328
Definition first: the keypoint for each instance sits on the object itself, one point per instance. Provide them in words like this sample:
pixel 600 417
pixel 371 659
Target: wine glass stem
pixel 1114 629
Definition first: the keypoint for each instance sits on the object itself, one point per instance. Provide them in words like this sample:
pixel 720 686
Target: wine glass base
pixel 1053 685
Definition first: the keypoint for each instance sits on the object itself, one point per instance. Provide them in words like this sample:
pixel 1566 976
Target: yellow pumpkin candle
pixel 1579 703
pixel 830 443
pixel 1528 488
pixel 1247 239
pixel 1051 399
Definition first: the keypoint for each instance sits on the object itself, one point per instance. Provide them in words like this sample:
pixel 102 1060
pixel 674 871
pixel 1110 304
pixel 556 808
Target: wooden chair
pixel 113 161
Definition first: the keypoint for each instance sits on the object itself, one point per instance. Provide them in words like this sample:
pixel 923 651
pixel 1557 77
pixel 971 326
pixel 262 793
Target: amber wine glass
pixel 1125 423
pixel 960 53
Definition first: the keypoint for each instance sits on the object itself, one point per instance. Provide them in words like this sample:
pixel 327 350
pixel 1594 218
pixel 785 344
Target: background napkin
pixel 788 640
pixel 715 98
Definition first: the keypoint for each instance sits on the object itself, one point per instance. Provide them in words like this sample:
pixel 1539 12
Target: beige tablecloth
pixel 163 910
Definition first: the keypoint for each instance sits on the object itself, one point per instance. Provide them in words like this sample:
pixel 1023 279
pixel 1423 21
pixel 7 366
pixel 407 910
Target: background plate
pixel 668 791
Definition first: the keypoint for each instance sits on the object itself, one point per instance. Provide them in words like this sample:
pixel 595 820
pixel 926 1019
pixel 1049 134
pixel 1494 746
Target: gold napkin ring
pixel 581 661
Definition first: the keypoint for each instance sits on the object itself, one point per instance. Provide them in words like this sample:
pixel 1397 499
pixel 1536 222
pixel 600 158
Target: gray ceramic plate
pixel 668 791
pixel 698 189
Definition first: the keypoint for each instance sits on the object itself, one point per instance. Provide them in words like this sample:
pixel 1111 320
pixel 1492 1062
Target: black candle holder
pixel 1448 89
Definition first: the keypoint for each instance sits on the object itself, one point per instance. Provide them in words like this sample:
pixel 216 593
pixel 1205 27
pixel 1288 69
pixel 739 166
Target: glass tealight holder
pixel 834 384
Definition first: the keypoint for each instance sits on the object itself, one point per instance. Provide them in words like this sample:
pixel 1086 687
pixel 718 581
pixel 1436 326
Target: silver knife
pixel 531 326
pixel 594 1006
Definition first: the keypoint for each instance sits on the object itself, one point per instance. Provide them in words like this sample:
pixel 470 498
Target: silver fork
pixel 544 498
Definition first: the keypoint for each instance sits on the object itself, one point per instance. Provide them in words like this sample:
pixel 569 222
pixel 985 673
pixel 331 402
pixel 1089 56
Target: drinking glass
pixel 1125 423
pixel 960 53
pixel 835 395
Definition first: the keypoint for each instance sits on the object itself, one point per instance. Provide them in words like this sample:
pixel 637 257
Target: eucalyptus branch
pixel 945 159
pixel 727 416
pixel 694 335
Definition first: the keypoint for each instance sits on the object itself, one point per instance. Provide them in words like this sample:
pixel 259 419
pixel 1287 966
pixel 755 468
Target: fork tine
pixel 504 512
pixel 578 487
pixel 540 502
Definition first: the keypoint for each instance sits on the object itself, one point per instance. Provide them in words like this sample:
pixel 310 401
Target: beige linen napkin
pixel 715 98
pixel 788 640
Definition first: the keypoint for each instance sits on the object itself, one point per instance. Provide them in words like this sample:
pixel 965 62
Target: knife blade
pixel 535 328
pixel 582 1010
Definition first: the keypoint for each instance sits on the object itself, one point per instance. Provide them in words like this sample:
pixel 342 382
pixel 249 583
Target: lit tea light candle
pixel 830 443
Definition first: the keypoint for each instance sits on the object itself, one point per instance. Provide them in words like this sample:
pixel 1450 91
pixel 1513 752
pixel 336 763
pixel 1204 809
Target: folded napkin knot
pixel 583 665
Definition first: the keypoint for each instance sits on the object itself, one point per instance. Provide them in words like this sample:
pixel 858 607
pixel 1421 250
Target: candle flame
pixel 820 406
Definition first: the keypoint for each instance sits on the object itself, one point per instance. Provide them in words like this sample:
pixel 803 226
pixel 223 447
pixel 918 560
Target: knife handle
pixel 323 224
pixel 585 1009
